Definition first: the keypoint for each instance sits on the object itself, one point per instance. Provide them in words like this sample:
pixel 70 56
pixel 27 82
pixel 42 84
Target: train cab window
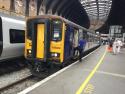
pixel 29 29
pixel 56 30
pixel 17 36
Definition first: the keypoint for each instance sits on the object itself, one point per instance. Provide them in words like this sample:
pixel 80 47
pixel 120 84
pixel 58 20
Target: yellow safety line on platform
pixel 82 87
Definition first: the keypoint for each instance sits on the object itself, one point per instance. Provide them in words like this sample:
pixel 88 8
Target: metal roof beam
pixel 97 2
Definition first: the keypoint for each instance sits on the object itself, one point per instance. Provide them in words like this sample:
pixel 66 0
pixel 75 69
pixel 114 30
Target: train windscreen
pixel 29 29
pixel 56 30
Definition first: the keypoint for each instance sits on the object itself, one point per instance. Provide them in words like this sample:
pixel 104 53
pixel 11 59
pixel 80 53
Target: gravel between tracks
pixel 10 78
pixel 19 87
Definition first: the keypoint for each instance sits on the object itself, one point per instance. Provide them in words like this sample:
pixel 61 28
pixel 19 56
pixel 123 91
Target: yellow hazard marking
pixel 89 89
pixel 82 87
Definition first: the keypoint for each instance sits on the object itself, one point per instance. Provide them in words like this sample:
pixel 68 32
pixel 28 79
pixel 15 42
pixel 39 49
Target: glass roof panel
pixel 97 10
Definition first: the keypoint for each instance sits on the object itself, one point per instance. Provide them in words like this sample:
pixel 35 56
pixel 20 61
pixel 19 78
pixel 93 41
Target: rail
pixel 14 78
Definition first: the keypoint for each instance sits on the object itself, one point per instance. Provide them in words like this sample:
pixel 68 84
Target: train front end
pixel 44 42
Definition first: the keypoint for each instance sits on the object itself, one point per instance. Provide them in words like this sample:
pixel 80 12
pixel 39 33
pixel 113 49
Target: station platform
pixel 101 72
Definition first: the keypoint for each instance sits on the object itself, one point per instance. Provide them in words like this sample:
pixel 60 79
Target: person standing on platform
pixel 110 45
pixel 80 48
pixel 119 45
pixel 115 46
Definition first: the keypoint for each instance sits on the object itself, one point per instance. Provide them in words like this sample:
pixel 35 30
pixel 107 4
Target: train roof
pixel 63 19
pixel 12 16
pixel 11 19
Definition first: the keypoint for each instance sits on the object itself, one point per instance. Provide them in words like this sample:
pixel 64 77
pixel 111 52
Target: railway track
pixel 17 81
pixel 7 67
pixel 14 83
pixel 11 79
pixel 21 84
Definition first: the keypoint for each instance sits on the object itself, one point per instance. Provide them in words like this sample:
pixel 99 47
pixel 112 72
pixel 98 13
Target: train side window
pixel 80 34
pixel 17 36
pixel 90 38
pixel 1 37
pixel 75 40
pixel 1 34
pixel 56 30
pixel 71 37
pixel 85 35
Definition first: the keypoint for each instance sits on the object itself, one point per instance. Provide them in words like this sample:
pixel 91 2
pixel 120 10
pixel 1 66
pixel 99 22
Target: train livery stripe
pixel 40 40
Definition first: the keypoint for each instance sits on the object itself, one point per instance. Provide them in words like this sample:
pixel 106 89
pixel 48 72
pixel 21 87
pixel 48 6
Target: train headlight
pixel 55 55
pixel 29 51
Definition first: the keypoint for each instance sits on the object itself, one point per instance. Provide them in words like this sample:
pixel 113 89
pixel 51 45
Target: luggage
pixel 109 49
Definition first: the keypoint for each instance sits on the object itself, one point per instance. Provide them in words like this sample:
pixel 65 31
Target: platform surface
pixel 109 78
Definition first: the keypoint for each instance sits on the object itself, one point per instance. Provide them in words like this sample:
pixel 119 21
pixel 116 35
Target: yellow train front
pixel 44 41
pixel 52 40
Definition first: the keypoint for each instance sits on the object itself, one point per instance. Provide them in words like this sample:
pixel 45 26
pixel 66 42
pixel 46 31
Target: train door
pixel 1 37
pixel 71 41
pixel 40 38
pixel 82 35
pixel 68 42
pixel 75 42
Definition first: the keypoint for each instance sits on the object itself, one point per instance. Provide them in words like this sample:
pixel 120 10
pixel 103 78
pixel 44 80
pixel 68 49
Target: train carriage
pixel 53 39
pixel 12 36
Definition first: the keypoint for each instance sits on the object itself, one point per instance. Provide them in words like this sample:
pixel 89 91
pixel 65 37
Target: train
pixel 51 39
pixel 12 38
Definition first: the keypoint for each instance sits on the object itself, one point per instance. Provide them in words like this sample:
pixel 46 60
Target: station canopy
pixel 98 11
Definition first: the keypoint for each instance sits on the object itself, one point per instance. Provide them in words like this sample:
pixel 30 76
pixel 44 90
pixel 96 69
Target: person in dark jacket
pixel 110 45
pixel 81 48
pixel 111 42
